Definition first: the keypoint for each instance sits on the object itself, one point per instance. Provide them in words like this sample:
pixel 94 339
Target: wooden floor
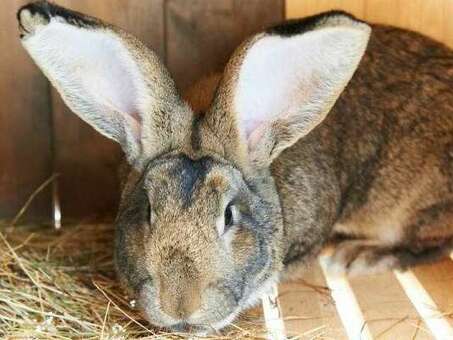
pixel 417 304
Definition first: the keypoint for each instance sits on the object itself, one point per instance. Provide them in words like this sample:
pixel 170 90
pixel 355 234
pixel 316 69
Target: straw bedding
pixel 61 285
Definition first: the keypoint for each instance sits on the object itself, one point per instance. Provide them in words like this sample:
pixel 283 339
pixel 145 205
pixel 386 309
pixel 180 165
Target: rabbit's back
pixel 382 161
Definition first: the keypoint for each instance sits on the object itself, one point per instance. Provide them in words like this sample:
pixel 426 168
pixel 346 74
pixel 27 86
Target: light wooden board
pixel 310 312
pixel 25 130
pixel 298 8
pixel 308 309
pixel 430 17
pixel 437 279
pixel 386 308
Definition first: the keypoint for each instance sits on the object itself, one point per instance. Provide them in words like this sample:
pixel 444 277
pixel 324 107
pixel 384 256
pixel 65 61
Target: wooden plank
pixel 389 314
pixel 273 317
pixel 386 308
pixel 202 34
pixel 427 17
pixel 25 133
pixel 432 18
pixel 448 23
pixel 87 161
pixel 308 308
pixel 346 303
pixel 425 305
pixel 437 279
pixel 299 9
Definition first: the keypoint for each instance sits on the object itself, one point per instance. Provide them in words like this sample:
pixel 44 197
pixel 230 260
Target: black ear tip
pixel 41 12
pixel 41 7
pixel 299 26
pixel 33 14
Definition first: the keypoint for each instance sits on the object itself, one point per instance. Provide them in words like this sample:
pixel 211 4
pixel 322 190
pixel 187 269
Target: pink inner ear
pixel 97 67
pixel 255 134
pixel 293 79
pixel 136 116
pixel 135 122
pixel 249 125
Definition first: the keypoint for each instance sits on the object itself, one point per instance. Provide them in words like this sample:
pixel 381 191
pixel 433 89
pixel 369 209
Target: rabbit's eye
pixel 230 216
pixel 149 214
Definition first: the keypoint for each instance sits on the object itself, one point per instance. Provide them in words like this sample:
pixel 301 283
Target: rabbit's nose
pixel 179 300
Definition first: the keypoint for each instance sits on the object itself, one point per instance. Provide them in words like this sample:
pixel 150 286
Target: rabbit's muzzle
pixel 179 286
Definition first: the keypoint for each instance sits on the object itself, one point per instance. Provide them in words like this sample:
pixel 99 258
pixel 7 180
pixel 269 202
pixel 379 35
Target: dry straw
pixel 61 285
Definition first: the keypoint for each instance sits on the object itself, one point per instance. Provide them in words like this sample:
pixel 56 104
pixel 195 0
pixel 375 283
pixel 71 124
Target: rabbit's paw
pixel 355 257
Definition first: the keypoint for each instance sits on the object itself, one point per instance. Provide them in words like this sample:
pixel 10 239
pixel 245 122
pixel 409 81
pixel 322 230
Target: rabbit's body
pixel 376 177
pixel 256 177
pixel 379 169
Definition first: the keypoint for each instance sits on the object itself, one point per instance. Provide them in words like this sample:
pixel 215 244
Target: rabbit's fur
pixel 238 185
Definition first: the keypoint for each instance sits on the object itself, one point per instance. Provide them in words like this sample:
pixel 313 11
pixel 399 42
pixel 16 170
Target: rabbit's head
pixel 200 229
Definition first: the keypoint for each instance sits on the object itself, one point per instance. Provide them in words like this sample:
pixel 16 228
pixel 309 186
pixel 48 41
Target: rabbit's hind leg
pixel 359 256
pixel 428 236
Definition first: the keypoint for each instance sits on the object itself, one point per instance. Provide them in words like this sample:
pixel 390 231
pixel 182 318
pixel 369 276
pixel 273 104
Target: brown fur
pixel 375 178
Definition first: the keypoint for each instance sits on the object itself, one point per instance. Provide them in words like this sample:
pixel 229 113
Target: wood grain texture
pixel 308 309
pixel 88 162
pixel 432 18
pixel 201 34
pixel 25 132
pixel 386 308
pixel 437 279
pixel 302 8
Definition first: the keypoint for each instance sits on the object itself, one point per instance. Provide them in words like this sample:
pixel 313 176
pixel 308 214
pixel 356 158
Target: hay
pixel 61 285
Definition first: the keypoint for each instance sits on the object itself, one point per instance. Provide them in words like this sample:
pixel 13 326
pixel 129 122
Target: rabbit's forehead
pixel 184 182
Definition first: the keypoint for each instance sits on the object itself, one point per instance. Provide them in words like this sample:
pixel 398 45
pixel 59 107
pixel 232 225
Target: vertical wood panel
pixel 25 156
pixel 432 17
pixel 448 22
pixel 422 16
pixel 302 8
pixel 87 161
pixel 201 34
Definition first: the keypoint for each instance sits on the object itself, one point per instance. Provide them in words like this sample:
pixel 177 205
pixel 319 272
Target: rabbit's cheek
pixel 243 246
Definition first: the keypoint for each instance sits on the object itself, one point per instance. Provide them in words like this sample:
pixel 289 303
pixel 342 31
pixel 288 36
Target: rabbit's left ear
pixel 280 84
pixel 108 78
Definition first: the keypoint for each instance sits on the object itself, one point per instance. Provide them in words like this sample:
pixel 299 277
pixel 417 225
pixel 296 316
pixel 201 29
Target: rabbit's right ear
pixel 280 84
pixel 107 77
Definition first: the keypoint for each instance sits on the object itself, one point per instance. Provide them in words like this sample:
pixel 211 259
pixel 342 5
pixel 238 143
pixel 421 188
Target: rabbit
pixel 322 131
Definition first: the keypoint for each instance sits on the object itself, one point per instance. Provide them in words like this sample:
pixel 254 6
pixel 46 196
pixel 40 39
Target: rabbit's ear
pixel 280 84
pixel 107 77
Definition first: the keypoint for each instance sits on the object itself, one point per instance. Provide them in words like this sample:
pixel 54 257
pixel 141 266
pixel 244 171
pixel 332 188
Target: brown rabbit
pixel 231 192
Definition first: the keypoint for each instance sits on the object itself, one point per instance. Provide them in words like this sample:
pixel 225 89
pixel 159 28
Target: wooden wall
pixel 40 136
pixel 431 17
pixel 25 122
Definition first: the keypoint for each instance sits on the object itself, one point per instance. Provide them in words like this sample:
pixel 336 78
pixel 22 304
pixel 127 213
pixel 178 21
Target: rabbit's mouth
pixel 184 327
pixel 202 330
